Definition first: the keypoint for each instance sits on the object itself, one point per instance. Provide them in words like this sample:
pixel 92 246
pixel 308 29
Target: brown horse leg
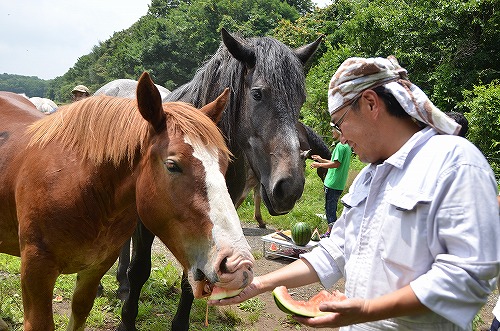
pixel 257 215
pixel 38 277
pixel 84 295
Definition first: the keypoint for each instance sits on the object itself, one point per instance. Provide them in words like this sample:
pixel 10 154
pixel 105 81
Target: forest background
pixel 450 48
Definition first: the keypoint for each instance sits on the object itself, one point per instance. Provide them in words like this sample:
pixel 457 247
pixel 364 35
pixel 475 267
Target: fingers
pixel 328 320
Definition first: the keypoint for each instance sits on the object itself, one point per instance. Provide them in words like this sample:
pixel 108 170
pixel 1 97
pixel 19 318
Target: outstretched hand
pixel 249 292
pixel 345 312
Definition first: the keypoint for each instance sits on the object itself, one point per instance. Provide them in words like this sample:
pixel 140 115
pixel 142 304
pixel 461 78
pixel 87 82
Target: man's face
pixel 357 130
pixel 77 95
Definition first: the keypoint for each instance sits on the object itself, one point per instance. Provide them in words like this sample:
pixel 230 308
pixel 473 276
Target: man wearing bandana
pixel 417 242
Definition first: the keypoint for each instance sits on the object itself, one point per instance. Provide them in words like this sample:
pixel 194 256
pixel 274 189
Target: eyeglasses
pixel 336 126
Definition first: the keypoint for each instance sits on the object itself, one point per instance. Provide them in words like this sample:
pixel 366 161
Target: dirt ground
pixel 275 319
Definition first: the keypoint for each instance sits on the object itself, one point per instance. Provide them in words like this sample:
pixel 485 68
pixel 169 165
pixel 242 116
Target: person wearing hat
pixel 80 92
pixel 417 241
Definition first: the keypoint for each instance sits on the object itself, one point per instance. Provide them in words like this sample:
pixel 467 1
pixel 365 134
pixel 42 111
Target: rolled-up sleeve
pixel 324 264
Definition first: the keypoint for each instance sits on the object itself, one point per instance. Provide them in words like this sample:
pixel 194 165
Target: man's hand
pixel 249 292
pixel 345 312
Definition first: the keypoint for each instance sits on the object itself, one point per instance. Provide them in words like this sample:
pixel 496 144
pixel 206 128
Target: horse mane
pixel 104 128
pixel 275 64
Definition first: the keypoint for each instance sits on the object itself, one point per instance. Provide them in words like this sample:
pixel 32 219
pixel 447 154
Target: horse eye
pixel 256 94
pixel 172 166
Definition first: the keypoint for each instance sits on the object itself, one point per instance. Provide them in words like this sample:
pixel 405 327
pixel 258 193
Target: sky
pixel 45 38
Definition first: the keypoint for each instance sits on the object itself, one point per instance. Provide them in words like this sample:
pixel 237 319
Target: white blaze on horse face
pixel 226 230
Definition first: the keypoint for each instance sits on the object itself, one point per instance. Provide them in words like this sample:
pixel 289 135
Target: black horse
pixel 267 85
pixel 311 144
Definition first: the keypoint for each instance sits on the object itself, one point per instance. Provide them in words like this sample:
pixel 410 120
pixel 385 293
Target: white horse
pixel 126 88
pixel 44 105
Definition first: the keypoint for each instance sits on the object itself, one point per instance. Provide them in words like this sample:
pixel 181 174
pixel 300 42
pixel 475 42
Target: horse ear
pixel 239 51
pixel 150 104
pixel 215 109
pixel 305 52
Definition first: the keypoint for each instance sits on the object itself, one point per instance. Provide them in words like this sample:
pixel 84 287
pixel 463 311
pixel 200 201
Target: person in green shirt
pixel 336 178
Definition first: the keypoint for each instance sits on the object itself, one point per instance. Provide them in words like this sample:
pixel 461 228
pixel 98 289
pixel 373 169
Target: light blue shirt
pixel 428 217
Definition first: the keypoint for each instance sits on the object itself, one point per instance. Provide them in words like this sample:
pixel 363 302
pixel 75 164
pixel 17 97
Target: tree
pixel 446 46
pixel 482 104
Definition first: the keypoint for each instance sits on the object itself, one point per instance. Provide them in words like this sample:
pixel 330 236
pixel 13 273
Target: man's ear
pixel 372 102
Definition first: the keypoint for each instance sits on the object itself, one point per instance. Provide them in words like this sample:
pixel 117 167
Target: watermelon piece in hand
pixel 219 293
pixel 310 308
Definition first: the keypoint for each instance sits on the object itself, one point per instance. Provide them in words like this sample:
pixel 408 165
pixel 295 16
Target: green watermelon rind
pixel 293 310
pixel 224 294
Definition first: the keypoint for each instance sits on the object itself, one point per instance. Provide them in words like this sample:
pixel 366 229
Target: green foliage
pixel 482 104
pixel 31 86
pixel 315 111
pixel 172 40
pixel 446 46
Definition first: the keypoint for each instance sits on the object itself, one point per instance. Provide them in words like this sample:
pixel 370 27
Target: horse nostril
pixel 198 275
pixel 223 266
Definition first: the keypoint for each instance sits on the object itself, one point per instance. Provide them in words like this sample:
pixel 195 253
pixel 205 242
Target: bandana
pixel 356 75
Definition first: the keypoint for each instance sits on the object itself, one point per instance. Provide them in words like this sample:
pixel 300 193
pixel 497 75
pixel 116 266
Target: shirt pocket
pixel 354 199
pixel 404 238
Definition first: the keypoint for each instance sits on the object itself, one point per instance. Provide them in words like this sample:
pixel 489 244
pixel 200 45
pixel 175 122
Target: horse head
pixel 181 193
pixel 271 94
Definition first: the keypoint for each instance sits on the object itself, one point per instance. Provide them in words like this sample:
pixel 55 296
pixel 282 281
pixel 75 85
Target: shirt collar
pixel 398 159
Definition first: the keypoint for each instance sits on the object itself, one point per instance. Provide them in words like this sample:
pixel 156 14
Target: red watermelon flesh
pixel 310 308
pixel 222 293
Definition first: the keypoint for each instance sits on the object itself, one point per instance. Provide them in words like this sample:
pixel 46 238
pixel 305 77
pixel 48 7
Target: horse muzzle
pixel 233 273
pixel 281 198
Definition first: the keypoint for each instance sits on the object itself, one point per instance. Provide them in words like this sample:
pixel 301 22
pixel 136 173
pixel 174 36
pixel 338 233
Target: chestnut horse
pixel 267 83
pixel 73 184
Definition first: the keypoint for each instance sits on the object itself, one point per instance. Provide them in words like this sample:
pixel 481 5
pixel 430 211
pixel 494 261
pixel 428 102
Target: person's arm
pixel 296 274
pixel 319 162
pixel 402 302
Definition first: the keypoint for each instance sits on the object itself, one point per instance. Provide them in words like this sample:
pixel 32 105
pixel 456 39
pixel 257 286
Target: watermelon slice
pixel 310 308
pixel 315 235
pixel 222 293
